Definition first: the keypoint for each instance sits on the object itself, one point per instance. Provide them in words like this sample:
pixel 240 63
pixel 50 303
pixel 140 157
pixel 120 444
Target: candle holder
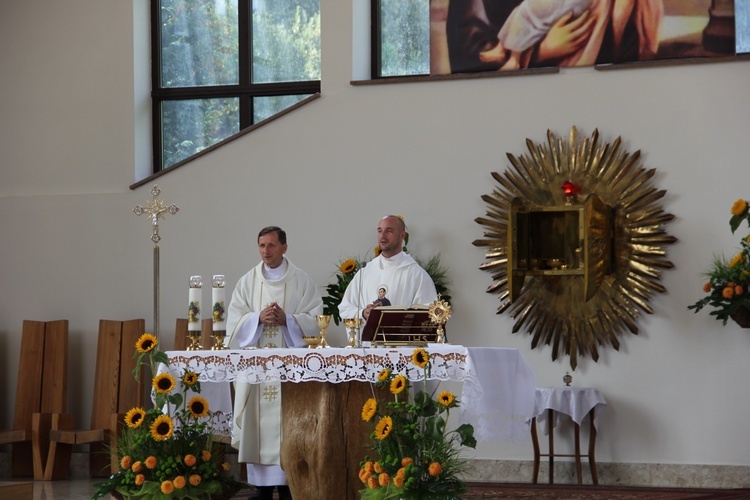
pixel 323 321
pixel 219 336
pixel 352 324
pixel 194 337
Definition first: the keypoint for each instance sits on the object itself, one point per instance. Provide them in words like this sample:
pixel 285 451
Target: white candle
pixel 218 309
pixel 194 303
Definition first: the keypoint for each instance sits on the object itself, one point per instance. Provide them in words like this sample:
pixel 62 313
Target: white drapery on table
pixel 576 402
pixel 498 384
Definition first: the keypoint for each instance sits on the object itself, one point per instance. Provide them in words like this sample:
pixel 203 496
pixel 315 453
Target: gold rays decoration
pixel 551 306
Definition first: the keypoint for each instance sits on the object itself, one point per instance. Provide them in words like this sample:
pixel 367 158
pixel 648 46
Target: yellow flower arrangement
pixel 728 281
pixel 413 454
pixel 169 451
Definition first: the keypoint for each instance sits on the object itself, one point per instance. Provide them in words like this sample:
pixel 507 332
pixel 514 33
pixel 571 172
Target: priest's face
pixel 271 250
pixel 390 236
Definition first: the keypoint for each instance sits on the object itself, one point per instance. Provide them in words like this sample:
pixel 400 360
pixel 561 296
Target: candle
pixel 194 303
pixel 217 303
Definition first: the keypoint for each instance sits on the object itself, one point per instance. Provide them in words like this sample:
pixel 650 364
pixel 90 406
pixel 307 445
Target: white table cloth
pixel 498 384
pixel 575 402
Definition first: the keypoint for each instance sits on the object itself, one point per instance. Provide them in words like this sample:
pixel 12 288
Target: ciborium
pixel 352 324
pixel 323 321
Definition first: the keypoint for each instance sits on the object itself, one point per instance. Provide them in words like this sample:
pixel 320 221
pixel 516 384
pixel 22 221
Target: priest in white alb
pixel 393 275
pixel 274 305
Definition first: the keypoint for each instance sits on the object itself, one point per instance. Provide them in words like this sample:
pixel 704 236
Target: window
pixel 220 66
pixel 401 38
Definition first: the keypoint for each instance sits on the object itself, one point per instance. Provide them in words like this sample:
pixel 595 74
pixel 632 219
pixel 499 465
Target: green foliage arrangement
pixel 414 455
pixel 728 281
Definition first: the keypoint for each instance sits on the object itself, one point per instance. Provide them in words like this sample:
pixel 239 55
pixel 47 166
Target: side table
pixel 576 402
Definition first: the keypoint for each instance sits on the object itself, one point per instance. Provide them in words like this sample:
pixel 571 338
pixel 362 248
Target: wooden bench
pixel 115 392
pixel 40 391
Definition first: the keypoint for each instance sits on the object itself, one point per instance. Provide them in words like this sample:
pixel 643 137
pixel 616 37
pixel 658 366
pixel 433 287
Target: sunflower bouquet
pixel 168 451
pixel 728 281
pixel 413 454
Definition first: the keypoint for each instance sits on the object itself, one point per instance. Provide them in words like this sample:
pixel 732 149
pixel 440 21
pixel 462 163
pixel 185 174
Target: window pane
pixel 199 43
pixel 191 126
pixel 263 107
pixel 286 40
pixel 405 37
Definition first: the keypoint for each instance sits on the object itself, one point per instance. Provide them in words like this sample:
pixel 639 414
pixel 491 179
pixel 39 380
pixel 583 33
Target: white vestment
pixel 256 431
pixel 402 280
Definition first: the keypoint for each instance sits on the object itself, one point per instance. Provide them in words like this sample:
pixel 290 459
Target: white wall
pixel 71 248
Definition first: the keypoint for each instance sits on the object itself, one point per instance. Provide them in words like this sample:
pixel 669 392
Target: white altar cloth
pixel 498 384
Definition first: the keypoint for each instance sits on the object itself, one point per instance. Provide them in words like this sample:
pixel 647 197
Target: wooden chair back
pixel 115 392
pixel 41 388
pixel 181 341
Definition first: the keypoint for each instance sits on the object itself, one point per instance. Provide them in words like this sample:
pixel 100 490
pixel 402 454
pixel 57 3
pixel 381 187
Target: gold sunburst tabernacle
pixel 550 305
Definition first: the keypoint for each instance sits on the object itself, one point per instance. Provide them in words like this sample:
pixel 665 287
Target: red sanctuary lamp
pixel 570 191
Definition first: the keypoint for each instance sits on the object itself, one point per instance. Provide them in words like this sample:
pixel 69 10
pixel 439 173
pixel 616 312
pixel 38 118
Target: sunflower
pixel 384 374
pixel 398 384
pixel 369 409
pixel 348 266
pixel 739 207
pixel 134 418
pixel 161 429
pixel 190 378
pixel 377 250
pixel 420 358
pixel 446 398
pixel 163 383
pixel 737 259
pixel 198 407
pixel 384 427
pixel 146 343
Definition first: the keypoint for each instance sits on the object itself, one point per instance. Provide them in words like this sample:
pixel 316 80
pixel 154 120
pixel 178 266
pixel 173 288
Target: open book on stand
pixel 399 326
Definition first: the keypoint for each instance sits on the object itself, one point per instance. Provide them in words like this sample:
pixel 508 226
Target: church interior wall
pixel 71 247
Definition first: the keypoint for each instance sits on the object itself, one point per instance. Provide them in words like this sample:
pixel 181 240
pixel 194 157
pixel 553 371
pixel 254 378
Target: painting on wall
pixel 502 35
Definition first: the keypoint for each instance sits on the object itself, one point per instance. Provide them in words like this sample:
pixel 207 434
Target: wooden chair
pixel 40 394
pixel 115 392
pixel 180 334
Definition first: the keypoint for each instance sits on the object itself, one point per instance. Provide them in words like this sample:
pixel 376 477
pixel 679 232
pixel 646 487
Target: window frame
pixel 245 90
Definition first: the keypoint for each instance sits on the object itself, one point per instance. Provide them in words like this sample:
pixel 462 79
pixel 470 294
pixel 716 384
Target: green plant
pixel 168 451
pixel 414 455
pixel 728 281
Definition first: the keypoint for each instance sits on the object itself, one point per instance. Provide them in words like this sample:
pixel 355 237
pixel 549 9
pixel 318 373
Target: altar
pixel 323 391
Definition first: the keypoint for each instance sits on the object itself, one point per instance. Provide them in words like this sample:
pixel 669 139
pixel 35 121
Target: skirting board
pixel 519 471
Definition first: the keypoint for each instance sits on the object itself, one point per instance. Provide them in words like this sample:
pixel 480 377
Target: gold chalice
pixel 323 321
pixel 312 341
pixel 352 324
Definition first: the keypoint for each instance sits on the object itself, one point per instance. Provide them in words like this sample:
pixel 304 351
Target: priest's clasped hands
pixel 273 314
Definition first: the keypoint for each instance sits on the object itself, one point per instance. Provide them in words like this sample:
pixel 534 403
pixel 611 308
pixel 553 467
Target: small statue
pixel 567 378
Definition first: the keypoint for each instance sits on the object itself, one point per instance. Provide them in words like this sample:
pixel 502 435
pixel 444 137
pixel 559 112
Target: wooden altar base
pixel 324 438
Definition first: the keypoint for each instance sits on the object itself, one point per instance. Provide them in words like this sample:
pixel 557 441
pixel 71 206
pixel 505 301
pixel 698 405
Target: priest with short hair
pixel 274 305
